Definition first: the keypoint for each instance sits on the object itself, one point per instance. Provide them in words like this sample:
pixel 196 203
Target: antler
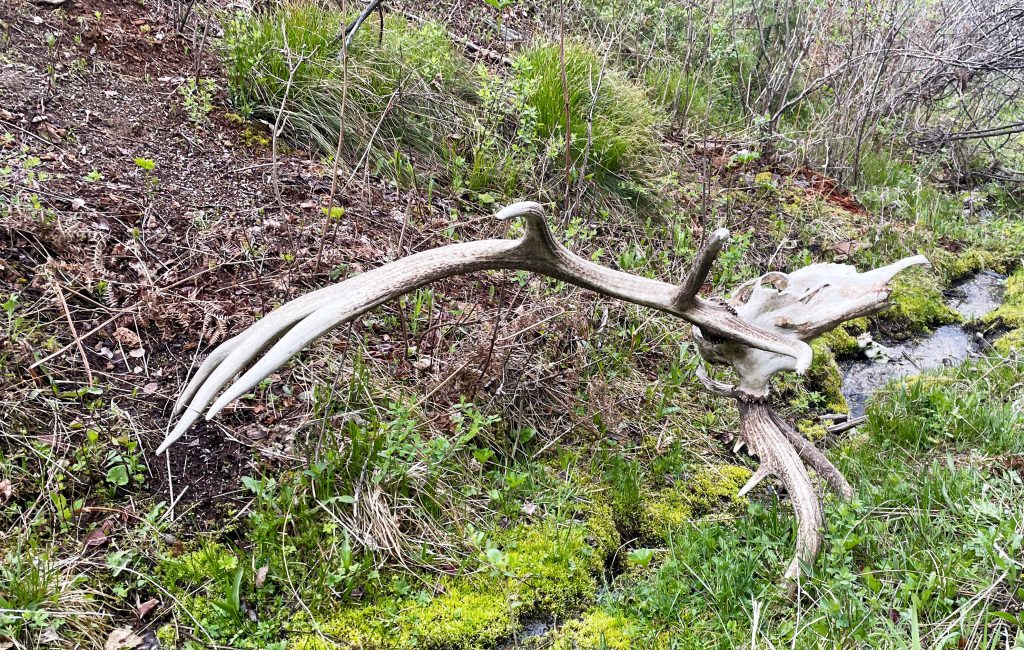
pixel 801 305
pixel 299 322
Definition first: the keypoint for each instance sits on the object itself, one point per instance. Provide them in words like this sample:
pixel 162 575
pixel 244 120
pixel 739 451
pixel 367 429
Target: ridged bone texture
pixel 299 322
pixel 800 306
pixel 758 333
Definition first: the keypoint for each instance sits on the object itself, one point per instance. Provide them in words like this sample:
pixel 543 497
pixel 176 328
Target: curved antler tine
pixel 231 356
pixel 713 385
pixel 364 292
pixel 219 353
pixel 702 263
pixel 779 458
pixel 360 293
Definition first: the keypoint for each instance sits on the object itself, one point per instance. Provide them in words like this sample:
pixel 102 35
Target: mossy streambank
pixel 946 345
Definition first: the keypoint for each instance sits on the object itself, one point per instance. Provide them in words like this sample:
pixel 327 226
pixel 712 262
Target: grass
pixel 929 558
pixel 406 91
pixel 580 478
pixel 612 127
pixel 413 106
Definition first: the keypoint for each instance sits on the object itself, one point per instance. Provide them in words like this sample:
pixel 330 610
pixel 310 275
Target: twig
pixel 337 156
pixel 846 426
pixel 565 99
pixel 350 31
pixel 74 330
pixel 78 341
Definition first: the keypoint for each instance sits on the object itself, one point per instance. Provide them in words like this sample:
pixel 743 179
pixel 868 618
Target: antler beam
pixel 762 330
pixel 304 319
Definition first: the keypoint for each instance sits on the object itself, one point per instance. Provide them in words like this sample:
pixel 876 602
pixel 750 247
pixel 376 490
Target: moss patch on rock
pixel 596 631
pixel 824 375
pixel 463 614
pixel 841 342
pixel 1011 313
pixel 1011 342
pixel 544 569
pixel 918 305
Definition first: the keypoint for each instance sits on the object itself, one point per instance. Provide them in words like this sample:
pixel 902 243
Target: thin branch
pixel 74 330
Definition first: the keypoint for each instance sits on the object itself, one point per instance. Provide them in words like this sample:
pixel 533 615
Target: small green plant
pixel 197 98
pixel 744 157
pixel 231 606
pixel 641 557
pixel 148 166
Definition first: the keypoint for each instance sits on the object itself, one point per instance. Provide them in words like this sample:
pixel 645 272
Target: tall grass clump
pixel 403 90
pixel 613 126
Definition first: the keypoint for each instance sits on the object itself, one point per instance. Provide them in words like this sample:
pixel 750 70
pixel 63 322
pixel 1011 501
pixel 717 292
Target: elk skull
pixel 762 330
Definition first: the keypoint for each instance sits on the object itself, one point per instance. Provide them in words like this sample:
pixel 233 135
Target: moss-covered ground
pixel 493 456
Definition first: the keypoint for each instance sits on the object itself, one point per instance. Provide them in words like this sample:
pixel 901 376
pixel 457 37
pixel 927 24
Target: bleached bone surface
pixel 799 305
pixel 297 323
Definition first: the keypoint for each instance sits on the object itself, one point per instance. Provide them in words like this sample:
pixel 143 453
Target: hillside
pixel 499 459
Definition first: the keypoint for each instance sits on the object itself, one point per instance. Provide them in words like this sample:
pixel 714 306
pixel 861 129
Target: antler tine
pixel 302 320
pixel 779 458
pixel 702 263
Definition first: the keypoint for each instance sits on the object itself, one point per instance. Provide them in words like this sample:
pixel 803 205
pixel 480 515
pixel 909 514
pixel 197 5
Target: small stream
pixel 948 345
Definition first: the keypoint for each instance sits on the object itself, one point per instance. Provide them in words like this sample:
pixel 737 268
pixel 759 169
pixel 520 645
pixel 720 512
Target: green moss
pixel 255 137
pixel 918 304
pixel 1011 342
pixel 841 342
pixel 210 562
pixel 825 377
pixel 596 631
pixel 811 430
pixel 461 613
pixel 553 568
pixel 1011 313
pixel 601 526
pixel 711 491
pixel 956 266
pixel 857 326
pixel 167 635
pixel 546 568
pixel 665 511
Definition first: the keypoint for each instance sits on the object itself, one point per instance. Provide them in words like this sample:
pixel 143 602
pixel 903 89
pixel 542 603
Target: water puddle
pixel 531 629
pixel 948 345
